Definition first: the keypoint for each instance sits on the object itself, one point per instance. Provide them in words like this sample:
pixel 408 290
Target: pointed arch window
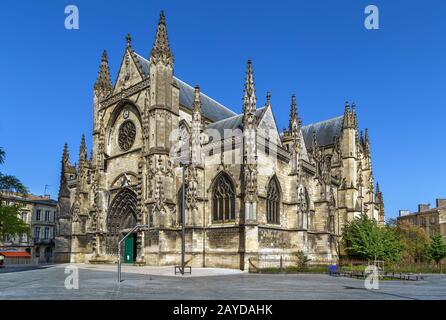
pixel 273 202
pixel 223 200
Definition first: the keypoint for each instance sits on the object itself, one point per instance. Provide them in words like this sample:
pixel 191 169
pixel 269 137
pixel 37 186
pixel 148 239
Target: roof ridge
pixel 330 119
pixel 185 83
pixel 235 116
pixel 206 96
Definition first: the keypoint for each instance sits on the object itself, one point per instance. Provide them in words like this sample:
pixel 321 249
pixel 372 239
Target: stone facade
pixel 39 213
pixel 250 191
pixel 432 220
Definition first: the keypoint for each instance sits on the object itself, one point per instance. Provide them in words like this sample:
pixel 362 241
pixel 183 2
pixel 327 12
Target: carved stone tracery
pixel 126 135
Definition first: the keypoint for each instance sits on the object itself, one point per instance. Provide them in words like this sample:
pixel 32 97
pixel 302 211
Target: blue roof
pixel 210 108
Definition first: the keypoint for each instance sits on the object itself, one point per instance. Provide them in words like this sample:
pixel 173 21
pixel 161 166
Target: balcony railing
pixel 43 241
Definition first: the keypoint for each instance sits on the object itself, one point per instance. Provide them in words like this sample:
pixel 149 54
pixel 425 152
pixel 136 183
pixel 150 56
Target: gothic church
pixel 250 191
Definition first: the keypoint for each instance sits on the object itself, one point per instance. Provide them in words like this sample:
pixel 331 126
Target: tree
pixel 415 241
pixel 437 249
pixel 10 222
pixel 7 182
pixel 302 261
pixel 363 238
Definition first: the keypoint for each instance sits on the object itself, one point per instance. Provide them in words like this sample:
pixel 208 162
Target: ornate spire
pixel 195 141
pixel 377 188
pixel 249 97
pixel 347 108
pixel 354 119
pixel 347 115
pixel 314 146
pixel 294 117
pixel 103 85
pixel 82 150
pixel 65 157
pixel 161 49
pixel 63 187
pixel 350 116
pixel 197 100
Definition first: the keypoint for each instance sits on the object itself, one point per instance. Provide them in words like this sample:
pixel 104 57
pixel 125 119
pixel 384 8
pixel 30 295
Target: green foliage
pixel 7 182
pixel 12 184
pixel 364 239
pixel 437 248
pixel 302 261
pixel 415 242
pixel 10 222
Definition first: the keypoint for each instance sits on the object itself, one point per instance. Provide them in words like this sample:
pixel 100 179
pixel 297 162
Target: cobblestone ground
pixel 48 282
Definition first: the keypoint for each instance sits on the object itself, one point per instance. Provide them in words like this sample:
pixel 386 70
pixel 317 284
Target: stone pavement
pixel 99 282
pixel 159 271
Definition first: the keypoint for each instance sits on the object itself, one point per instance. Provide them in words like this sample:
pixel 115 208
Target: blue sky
pixel 317 49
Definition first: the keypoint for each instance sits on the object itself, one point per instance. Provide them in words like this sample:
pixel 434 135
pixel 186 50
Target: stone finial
pixel 354 118
pixel 65 157
pixel 197 100
pixel 161 50
pixel 128 38
pixel 249 97
pixel 294 116
pixel 82 149
pixel 268 98
pixel 103 85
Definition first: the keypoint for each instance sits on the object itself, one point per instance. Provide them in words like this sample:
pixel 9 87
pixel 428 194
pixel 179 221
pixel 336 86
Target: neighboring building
pixel 251 191
pixel 39 212
pixel 432 220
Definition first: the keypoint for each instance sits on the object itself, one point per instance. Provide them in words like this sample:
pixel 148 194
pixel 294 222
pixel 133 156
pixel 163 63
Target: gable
pixel 129 73
pixel 267 126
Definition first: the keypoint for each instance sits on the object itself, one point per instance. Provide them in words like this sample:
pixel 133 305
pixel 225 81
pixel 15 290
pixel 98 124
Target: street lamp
pixel 183 166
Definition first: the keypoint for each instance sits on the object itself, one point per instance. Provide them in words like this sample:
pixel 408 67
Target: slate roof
pixel 325 131
pixel 224 118
pixel 210 108
pixel 235 122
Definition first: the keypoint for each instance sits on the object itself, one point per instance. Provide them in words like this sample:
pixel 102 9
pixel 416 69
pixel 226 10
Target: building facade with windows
pixel 250 191
pixel 39 212
pixel 432 220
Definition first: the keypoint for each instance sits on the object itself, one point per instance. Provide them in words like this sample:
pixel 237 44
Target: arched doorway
pixel 121 218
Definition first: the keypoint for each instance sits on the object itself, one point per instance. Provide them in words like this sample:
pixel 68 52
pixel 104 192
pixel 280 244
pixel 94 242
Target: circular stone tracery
pixel 126 136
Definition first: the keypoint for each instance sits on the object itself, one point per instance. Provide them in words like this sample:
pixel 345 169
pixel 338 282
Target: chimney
pixel 423 207
pixel 440 202
pixel 404 213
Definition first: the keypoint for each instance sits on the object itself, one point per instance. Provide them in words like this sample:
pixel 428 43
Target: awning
pixel 15 254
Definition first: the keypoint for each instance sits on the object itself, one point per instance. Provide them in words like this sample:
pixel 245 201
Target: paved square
pixel 100 282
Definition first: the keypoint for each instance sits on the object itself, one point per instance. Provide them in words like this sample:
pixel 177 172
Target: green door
pixel 129 249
